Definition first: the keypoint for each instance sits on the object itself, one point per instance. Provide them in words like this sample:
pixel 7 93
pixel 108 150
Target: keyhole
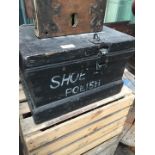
pixel 74 19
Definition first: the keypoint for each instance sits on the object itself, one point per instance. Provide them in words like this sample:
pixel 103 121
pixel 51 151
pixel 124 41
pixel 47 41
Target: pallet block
pixel 79 131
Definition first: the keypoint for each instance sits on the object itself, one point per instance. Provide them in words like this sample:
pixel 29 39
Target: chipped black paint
pixel 97 11
pixel 45 11
pixel 62 74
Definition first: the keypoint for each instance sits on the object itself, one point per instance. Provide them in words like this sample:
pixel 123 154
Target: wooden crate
pixel 106 148
pixel 60 17
pixel 77 132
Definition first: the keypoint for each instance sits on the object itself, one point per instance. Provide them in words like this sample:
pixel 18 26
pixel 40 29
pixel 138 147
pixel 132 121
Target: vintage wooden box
pixel 62 74
pixel 64 17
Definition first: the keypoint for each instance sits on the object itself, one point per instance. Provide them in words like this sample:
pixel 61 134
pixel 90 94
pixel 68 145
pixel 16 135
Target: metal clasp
pixel 102 62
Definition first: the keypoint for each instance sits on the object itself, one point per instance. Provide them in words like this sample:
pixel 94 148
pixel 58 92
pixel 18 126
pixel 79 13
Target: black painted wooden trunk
pixel 62 74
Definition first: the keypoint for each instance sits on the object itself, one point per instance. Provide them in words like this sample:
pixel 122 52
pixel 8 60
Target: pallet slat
pixel 36 142
pixel 97 142
pixel 116 126
pixel 110 144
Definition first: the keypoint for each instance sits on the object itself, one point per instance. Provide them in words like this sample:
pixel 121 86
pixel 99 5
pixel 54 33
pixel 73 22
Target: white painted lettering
pixel 72 80
pixel 75 90
pixel 82 76
pixel 55 82
pixel 65 79
pixel 82 89
pixel 91 86
pixel 68 91
pixel 99 83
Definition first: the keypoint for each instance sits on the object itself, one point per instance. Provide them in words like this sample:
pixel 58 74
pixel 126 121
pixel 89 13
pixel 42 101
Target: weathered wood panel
pixel 97 142
pixel 29 8
pixel 63 17
pixel 68 149
pixel 40 139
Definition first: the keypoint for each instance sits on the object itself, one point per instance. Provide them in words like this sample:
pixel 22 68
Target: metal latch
pixel 103 60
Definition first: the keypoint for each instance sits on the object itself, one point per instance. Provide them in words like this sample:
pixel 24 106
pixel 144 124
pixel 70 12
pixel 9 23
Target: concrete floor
pixel 124 150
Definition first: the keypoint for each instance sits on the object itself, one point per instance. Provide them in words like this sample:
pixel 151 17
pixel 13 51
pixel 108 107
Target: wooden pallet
pixel 77 132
